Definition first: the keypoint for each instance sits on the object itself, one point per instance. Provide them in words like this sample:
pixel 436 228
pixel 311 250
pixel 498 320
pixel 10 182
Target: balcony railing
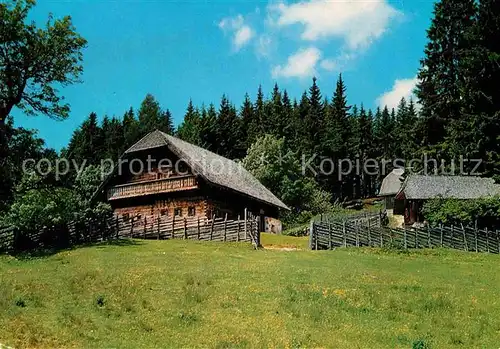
pixel 152 187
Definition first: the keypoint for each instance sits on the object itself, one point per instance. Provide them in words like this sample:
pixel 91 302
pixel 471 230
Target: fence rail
pixel 328 235
pixel 159 227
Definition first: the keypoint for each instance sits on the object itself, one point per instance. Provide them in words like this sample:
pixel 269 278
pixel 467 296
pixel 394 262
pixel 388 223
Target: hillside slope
pixel 145 294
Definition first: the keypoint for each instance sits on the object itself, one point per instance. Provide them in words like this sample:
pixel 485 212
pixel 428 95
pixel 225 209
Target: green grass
pixel 191 294
pixel 284 241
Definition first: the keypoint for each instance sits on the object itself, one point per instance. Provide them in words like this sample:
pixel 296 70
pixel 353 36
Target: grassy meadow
pixel 144 294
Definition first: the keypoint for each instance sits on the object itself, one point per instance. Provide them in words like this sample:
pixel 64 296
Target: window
pixel 125 216
pixel 191 211
pixel 178 211
pixel 164 212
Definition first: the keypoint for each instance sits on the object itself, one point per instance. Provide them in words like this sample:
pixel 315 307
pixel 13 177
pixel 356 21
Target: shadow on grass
pixel 47 252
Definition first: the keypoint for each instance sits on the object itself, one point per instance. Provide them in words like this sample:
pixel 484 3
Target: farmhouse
pixel 162 175
pixel 390 187
pixel 418 188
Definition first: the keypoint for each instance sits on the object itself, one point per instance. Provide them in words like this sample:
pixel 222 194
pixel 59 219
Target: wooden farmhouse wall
pixel 174 191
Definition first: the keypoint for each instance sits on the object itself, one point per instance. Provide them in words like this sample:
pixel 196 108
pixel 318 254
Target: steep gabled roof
pixel 392 183
pixel 214 168
pixel 419 187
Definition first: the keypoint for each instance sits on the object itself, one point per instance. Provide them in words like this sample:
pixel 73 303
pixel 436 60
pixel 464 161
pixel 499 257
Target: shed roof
pixel 392 182
pixel 213 168
pixel 420 187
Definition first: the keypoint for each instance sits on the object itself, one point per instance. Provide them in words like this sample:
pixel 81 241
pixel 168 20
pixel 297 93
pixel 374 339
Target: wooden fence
pixel 160 227
pixel 328 235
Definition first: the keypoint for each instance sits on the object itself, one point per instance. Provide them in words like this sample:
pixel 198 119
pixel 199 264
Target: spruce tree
pixel 301 129
pixel 229 140
pixel 115 143
pixel 189 129
pixel 149 115
pixel 404 130
pixel 166 123
pixel 86 142
pixel 256 127
pixel 247 116
pixel 131 131
pixel 314 120
pixel 477 137
pixel 208 128
pixel 340 135
pixel 440 89
pixel 276 117
pixel 288 122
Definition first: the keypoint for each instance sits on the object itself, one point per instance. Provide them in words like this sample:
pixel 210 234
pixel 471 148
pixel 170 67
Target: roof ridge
pixel 209 165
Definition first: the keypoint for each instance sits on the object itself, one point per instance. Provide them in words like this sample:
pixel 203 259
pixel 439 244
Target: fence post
pixel 316 243
pixel 159 218
pixel 344 234
pixel 311 233
pixel 416 238
pixel 330 242
pixel 102 230
pixel 466 247
pixel 173 225
pixel 198 228
pixel 498 241
pixel 369 238
pixel 381 236
pixel 475 238
pixel 145 224
pixel 117 228
pixel 487 240
pixel 131 226
pixel 442 233
pixel 357 235
pixel 404 238
pixel 429 236
pixel 238 232
pixel 452 233
pixel 225 225
pixel 245 218
pixel 185 228
pixel 257 236
pixel 212 228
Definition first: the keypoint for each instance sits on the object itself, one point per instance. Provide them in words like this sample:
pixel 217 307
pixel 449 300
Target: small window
pixel 191 211
pixel 125 216
pixel 178 211
pixel 164 212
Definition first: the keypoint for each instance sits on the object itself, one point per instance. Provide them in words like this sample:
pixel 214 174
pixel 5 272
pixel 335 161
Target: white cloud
pixel 241 33
pixel 301 64
pixel 329 64
pixel 242 36
pixel 401 88
pixel 357 22
pixel 263 46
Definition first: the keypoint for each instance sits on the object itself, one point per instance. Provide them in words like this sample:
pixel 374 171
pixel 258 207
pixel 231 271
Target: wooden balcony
pixel 159 186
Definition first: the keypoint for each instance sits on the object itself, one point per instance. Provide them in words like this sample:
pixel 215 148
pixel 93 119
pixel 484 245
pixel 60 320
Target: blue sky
pixel 179 50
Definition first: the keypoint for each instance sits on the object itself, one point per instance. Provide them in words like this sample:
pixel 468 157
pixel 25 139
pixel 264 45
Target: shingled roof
pixel 419 187
pixel 214 168
pixel 392 183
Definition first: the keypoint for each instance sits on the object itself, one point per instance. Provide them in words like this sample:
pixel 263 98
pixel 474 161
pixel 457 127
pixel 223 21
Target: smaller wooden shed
pixel 389 188
pixel 416 189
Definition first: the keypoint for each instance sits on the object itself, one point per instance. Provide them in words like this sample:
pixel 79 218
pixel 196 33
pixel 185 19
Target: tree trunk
pixel 4 152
